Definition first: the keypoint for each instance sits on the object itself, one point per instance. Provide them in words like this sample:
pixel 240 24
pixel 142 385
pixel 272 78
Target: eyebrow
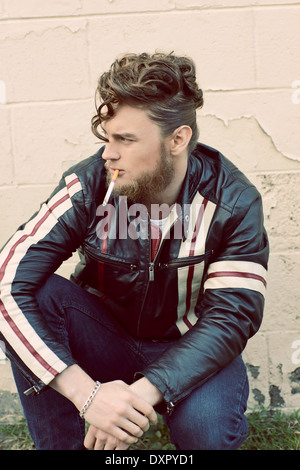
pixel 115 135
pixel 125 134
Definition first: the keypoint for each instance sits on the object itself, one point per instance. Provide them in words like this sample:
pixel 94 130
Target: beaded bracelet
pixel 89 400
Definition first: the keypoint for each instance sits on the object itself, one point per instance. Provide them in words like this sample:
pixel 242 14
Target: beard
pixel 147 187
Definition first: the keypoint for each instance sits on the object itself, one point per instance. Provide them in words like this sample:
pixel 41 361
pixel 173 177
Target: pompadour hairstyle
pixel 164 85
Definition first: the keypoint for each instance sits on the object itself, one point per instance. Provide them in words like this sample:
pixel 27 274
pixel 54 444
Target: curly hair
pixel 164 85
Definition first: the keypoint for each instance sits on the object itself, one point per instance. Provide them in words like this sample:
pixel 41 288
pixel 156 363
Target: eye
pixel 125 139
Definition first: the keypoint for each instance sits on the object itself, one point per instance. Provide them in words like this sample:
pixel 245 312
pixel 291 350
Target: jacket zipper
pixel 117 262
pixel 151 279
pixel 170 408
pixel 151 271
pixel 181 262
pixel 187 261
pixel 31 390
pixel 35 388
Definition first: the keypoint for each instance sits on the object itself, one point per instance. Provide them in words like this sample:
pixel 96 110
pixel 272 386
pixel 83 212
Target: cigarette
pixel 110 188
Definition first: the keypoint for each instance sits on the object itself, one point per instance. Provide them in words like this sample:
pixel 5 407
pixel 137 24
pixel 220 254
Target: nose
pixel 110 152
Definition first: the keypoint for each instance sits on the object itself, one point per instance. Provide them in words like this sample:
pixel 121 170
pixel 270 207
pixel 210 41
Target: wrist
pixel 149 392
pixel 74 384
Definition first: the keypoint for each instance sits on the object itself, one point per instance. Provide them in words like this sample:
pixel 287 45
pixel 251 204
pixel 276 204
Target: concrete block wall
pixel 248 63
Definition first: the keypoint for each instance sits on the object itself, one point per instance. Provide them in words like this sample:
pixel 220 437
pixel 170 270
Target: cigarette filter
pixel 110 188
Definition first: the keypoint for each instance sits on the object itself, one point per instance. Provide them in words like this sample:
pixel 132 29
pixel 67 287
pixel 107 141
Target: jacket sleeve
pixel 229 309
pixel 33 253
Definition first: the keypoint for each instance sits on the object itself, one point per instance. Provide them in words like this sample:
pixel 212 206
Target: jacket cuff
pixel 165 406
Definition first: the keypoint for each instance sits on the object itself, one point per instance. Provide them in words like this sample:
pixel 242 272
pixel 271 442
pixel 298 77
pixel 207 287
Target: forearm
pixel 74 384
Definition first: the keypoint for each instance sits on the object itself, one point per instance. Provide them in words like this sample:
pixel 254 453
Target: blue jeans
pixel 211 417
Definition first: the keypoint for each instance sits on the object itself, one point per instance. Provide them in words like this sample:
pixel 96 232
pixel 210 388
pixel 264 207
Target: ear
pixel 180 140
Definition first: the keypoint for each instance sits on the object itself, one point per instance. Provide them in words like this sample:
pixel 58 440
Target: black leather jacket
pixel 204 288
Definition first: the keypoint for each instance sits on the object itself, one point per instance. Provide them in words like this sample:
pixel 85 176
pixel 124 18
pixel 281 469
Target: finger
pixel 99 445
pixel 131 428
pixel 140 421
pixel 145 409
pixel 152 416
pixel 89 441
pixel 111 443
pixel 115 444
pixel 95 438
pixel 101 439
pixel 122 435
pixel 107 442
pixel 122 446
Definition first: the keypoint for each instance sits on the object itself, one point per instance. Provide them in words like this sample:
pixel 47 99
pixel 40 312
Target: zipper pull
pixel 170 408
pixel 151 272
pixel 31 390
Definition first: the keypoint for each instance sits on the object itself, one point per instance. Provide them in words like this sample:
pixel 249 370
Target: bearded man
pixel 169 287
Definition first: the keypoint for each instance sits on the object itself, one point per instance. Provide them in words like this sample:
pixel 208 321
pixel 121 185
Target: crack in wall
pixel 228 122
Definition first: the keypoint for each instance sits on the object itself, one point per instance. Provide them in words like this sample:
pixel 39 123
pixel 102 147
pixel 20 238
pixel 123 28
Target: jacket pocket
pixel 96 256
pixel 185 262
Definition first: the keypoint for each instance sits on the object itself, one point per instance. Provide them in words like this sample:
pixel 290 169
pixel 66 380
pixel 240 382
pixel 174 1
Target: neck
pixel 169 196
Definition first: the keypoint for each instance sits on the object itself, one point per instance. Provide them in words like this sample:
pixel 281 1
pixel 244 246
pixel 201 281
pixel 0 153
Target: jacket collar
pixel 188 190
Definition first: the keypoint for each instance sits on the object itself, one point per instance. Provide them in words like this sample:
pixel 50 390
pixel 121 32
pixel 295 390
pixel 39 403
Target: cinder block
pixel 196 4
pixel 282 211
pixel 17 205
pixel 35 8
pixel 279 125
pixel 274 126
pixel 215 34
pixel 6 159
pixel 125 6
pixel 256 359
pixel 277 29
pixel 273 364
pixel 43 61
pixel 276 2
pixel 284 367
pixel 283 295
pixel 49 138
pixel 6 378
pixel 244 142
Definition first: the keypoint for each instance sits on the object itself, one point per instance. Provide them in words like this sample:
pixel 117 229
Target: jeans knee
pixel 51 290
pixel 213 417
pixel 199 433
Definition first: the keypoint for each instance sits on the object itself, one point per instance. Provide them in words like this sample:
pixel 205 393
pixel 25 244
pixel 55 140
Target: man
pixel 169 287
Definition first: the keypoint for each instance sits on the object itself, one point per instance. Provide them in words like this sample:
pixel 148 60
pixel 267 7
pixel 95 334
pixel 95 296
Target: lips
pixel 112 170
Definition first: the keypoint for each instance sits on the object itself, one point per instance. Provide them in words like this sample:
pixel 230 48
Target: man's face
pixel 135 147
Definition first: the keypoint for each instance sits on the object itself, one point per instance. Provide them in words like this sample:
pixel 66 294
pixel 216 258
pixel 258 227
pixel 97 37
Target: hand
pixel 96 439
pixel 119 412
